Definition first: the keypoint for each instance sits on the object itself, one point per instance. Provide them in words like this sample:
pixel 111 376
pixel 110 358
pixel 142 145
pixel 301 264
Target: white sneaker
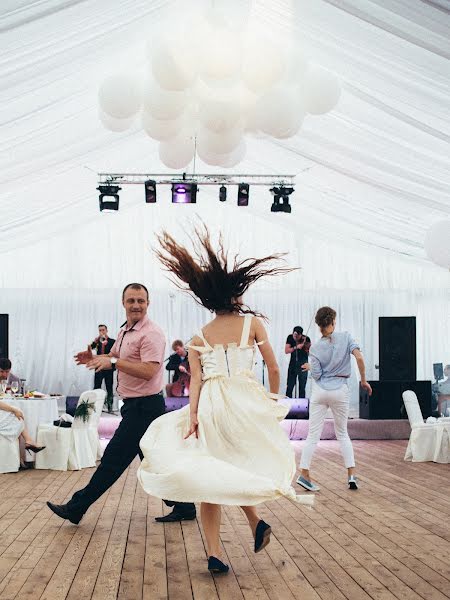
pixel 352 483
pixel 308 485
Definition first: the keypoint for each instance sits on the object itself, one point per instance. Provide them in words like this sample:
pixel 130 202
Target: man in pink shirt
pixel 138 355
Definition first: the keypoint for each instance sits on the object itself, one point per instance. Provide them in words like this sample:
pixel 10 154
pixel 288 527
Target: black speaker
pixel 4 336
pixel 386 401
pixel 397 348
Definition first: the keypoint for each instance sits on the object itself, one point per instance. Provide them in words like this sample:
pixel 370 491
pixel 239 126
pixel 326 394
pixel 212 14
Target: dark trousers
pixel 137 414
pixel 294 372
pixel 108 377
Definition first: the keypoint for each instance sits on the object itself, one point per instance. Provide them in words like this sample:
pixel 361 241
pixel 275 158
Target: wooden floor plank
pixel 390 540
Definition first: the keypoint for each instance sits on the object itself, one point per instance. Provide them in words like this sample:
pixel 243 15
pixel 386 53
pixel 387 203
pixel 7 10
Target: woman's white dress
pixel 241 457
pixel 10 425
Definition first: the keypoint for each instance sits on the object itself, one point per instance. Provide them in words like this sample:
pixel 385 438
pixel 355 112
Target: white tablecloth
pixel 36 411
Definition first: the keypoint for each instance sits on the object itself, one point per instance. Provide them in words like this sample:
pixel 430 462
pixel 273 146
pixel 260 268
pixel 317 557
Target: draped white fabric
pixel 51 325
pixel 372 176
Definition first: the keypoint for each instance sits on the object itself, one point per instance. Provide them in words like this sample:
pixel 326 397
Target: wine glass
pixel 14 386
pixel 3 385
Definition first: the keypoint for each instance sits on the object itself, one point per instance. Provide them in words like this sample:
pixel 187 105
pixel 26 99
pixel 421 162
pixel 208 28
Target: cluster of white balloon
pixel 208 85
pixel 437 243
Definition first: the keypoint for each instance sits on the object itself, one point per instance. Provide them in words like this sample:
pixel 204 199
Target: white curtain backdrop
pixel 49 326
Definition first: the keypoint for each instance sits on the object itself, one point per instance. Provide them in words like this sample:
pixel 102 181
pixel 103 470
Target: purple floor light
pixel 184 193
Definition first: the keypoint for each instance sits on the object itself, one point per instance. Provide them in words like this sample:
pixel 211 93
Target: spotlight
pixel 222 193
pixel 243 193
pixel 150 191
pixel 111 192
pixel 281 193
pixel 184 193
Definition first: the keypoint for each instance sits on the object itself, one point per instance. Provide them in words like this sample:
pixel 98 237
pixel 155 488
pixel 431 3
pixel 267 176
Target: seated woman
pixel 13 426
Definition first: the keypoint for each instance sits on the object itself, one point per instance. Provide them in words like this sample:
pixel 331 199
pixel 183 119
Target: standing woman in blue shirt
pixel 330 366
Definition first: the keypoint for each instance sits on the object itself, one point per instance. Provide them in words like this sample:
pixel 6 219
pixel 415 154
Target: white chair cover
pixel 72 448
pixel 412 408
pixel 428 441
pixel 9 454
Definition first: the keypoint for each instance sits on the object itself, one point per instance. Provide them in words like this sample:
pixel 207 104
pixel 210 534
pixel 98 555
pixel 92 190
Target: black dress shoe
pixel 262 535
pixel 62 511
pixel 176 515
pixel 217 566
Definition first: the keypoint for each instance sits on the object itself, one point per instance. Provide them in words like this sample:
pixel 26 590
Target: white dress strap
pixel 204 340
pixel 246 331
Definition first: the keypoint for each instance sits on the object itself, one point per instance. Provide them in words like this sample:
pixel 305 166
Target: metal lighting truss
pixel 200 179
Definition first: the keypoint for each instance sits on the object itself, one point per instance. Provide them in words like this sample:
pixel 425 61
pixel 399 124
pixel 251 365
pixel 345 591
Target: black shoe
pixel 62 511
pixel 176 515
pixel 262 535
pixel 34 448
pixel 217 566
pixel 169 502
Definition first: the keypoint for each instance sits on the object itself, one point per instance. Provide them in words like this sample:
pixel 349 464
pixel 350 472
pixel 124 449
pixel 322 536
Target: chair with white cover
pixel 76 447
pixel 9 454
pixel 422 441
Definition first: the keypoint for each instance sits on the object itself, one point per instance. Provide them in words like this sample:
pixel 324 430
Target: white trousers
pixel 321 401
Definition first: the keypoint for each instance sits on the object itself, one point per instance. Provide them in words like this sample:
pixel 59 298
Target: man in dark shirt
pixel 297 345
pixel 103 345
pixel 178 362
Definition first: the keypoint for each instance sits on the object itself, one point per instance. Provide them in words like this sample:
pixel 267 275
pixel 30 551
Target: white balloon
pixel 322 90
pixel 162 104
pixel 120 96
pixel 263 65
pixel 161 129
pixel 280 113
pixel 222 56
pixel 207 156
pixel 297 64
pixel 174 62
pixel 235 157
pixel 437 243
pixel 219 114
pixel 177 152
pixel 220 143
pixel 113 124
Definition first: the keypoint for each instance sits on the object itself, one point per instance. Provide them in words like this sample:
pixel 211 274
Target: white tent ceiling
pixel 373 174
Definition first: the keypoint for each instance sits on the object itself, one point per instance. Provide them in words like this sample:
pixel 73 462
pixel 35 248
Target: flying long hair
pixel 209 276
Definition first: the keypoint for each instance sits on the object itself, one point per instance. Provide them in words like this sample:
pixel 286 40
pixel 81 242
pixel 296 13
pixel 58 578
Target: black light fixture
pixel 222 193
pixel 243 193
pixel 111 192
pixel 281 193
pixel 184 193
pixel 150 191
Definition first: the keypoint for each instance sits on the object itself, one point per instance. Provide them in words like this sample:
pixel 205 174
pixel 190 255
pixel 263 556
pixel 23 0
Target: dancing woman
pixel 226 447
pixel 329 363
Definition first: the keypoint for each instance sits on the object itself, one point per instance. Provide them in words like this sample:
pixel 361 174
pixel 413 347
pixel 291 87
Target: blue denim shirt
pixel 330 359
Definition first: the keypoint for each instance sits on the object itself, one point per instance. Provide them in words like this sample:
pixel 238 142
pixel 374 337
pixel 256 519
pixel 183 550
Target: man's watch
pixel 113 360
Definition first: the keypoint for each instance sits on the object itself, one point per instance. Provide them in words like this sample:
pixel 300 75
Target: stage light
pixel 281 193
pixel 184 193
pixel 243 193
pixel 112 193
pixel 222 193
pixel 150 191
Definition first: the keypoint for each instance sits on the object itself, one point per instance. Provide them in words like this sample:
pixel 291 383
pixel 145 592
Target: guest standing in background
pixel 297 345
pixel 102 345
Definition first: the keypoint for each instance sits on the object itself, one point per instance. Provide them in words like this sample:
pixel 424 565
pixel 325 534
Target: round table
pixel 35 411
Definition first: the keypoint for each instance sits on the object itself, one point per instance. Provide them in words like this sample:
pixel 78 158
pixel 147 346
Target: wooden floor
pixel 391 539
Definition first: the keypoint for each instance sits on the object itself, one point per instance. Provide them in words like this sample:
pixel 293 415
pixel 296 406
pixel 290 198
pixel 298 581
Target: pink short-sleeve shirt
pixel 143 342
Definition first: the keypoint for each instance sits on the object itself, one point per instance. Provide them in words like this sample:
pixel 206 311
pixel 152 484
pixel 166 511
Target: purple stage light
pixel 184 193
